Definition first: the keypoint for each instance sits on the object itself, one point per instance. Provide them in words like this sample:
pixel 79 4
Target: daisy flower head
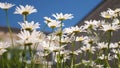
pixel 61 16
pixel 102 45
pixel 2 51
pixel 88 40
pixel 108 14
pixel 54 24
pixel 109 27
pixel 81 38
pixel 116 21
pixel 117 11
pixel 102 57
pixel 28 38
pixel 87 48
pixel 75 29
pixel 3 46
pixel 114 45
pixel 30 26
pixel 65 39
pixel 6 5
pixel 47 20
pixel 92 24
pixel 25 10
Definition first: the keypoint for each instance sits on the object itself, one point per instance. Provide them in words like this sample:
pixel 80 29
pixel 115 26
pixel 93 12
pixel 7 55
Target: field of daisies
pixel 86 46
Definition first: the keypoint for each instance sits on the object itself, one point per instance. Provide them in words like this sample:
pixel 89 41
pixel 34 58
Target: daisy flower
pixel 116 21
pixel 80 39
pixel 6 5
pixel 114 45
pixel 25 10
pixel 102 57
pixel 75 29
pixel 30 26
pixel 28 38
pixel 117 11
pixel 109 27
pixel 3 46
pixel 52 47
pixel 62 16
pixel 108 14
pixel 102 45
pixel 88 40
pixel 47 20
pixel 65 39
pixel 54 24
pixel 92 24
pixel 64 54
pixel 88 48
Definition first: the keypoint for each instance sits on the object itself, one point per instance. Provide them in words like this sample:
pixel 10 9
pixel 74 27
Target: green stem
pixel 108 66
pixel 109 41
pixel 58 57
pixel 73 56
pixel 108 51
pixel 24 57
pixel 9 29
pixel 57 61
pixel 24 18
pixel 31 58
pixel 2 61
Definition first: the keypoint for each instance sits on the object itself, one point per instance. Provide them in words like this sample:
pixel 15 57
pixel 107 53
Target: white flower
pixel 81 38
pixel 62 16
pixel 75 29
pixel 88 48
pixel 92 24
pixel 114 45
pixel 52 47
pixel 64 54
pixel 115 51
pixel 102 45
pixel 41 53
pixel 102 57
pixel 25 10
pixel 54 24
pixel 99 66
pixel 65 39
pixel 117 11
pixel 42 36
pixel 88 62
pixel 76 52
pixel 52 38
pixel 90 40
pixel 108 14
pixel 27 38
pixel 2 51
pixel 110 27
pixel 6 5
pixel 47 20
pixel 30 26
pixel 116 21
pixel 3 46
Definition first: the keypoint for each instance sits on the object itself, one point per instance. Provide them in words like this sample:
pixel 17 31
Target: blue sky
pixel 79 9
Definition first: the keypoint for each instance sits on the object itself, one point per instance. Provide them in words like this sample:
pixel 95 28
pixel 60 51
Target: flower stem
pixel 73 56
pixel 9 29
pixel 24 18
pixel 24 57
